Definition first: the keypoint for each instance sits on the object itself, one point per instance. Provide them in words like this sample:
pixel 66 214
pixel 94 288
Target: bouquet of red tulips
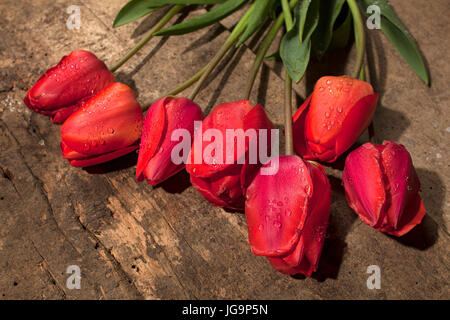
pixel 232 154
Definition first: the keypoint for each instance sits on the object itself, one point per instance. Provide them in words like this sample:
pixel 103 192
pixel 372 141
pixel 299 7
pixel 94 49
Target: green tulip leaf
pixel 322 36
pixel 341 35
pixel 399 36
pixel 259 15
pixel 132 11
pixel 274 56
pixel 215 14
pixel 136 9
pixel 295 47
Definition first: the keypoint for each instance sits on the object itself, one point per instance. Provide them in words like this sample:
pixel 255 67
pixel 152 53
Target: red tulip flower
pixel 382 187
pixel 222 182
pixel 155 162
pixel 287 215
pixel 333 117
pixel 107 127
pixel 62 89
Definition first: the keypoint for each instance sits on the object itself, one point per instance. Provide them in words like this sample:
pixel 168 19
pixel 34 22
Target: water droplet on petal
pixel 307 189
pixel 110 130
pixel 277 224
pixel 87 147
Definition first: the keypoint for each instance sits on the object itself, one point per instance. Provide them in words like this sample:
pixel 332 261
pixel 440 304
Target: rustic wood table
pixel 134 241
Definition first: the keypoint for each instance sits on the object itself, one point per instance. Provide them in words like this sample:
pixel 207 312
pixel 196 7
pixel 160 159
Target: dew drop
pixel 328 82
pixel 279 203
pixel 277 224
pixel 87 147
pixel 260 227
pixel 339 109
pixel 307 189
pixel 111 130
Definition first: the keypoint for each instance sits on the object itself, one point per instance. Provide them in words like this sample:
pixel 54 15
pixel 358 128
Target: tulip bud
pixel 382 187
pixel 155 162
pixel 218 167
pixel 61 90
pixel 287 215
pixel 107 127
pixel 333 117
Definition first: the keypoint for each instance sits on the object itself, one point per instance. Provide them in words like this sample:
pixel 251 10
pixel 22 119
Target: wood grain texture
pixel 133 241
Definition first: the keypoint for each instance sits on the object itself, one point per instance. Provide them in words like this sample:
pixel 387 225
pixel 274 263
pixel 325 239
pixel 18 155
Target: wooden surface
pixel 134 241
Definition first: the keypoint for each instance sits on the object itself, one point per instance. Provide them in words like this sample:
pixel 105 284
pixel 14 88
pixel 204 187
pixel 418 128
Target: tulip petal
pixel 333 101
pixel 277 206
pixel 155 124
pixel 109 121
pixel 406 209
pixel 203 186
pixel 78 163
pixel 365 184
pixel 304 258
pixel 180 114
pixel 66 86
pixel 356 121
pixel 298 127
pixel 224 116
pixel 256 119
pixel 314 232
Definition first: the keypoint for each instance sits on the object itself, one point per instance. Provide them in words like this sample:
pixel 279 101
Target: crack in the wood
pixel 44 265
pixel 50 209
pixel 161 249
pixel 116 264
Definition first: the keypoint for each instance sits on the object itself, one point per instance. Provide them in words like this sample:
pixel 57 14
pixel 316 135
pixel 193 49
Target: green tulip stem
pixel 359 36
pixel 206 70
pixel 234 36
pixel 262 50
pixel 174 10
pixel 180 88
pixel 289 148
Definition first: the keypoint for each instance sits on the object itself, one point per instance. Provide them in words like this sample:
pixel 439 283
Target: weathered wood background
pixel 134 241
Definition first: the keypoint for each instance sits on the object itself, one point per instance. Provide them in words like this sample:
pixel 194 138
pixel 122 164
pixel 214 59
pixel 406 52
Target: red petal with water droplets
pixel 365 185
pixel 337 115
pixel 110 121
pixel 277 206
pixel 298 128
pixel 76 78
pixel 154 126
pixel 355 123
pixel 222 117
pixel 304 258
pixel 406 209
pixel 101 158
pixel 180 113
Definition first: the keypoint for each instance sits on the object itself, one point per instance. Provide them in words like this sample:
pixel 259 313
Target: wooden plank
pixel 135 241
